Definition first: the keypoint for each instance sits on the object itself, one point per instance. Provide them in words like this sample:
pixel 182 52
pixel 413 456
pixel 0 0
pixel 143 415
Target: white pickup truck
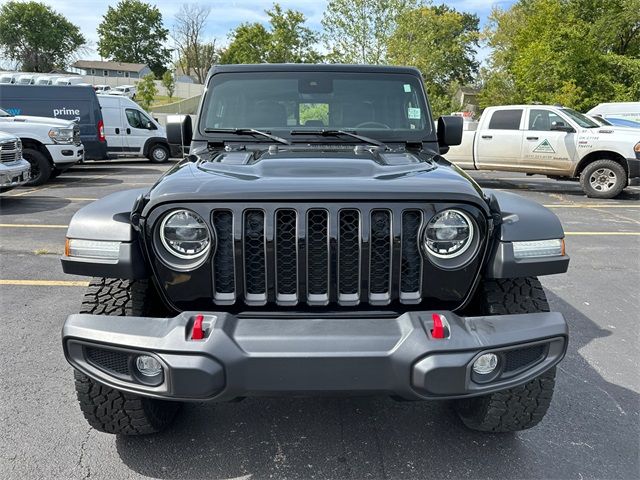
pixel 554 141
pixel 50 145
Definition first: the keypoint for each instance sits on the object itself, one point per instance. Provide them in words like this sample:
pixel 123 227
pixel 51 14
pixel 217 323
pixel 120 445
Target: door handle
pixel 128 131
pixel 117 131
pixel 532 138
pixel 487 137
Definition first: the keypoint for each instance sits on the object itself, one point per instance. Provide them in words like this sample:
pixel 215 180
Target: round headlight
pixel 185 235
pixel 448 234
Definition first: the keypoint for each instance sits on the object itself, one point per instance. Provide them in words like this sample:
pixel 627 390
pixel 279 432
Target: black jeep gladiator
pixel 314 241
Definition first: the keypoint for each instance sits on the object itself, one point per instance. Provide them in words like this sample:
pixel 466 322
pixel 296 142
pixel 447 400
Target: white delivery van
pixel 131 131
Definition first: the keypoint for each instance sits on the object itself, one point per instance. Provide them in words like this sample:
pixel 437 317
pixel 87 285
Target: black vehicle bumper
pixel 94 149
pixel 274 356
pixel 634 166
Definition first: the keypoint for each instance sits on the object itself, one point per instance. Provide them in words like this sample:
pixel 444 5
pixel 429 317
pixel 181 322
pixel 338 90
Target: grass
pixel 163 100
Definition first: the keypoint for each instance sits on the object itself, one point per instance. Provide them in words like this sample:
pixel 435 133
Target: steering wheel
pixel 373 125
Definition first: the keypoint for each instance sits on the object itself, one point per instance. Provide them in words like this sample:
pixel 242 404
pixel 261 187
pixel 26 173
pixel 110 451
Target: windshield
pixel 579 118
pixel 5 114
pixel 384 106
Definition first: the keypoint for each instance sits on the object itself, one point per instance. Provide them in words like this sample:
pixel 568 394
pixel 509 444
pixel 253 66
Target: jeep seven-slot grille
pixel 317 255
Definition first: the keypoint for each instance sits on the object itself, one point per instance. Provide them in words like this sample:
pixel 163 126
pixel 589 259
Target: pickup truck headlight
pixel 448 234
pixel 61 135
pixel 636 148
pixel 185 235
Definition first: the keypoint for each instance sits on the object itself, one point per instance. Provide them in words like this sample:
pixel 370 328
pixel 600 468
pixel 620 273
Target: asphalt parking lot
pixel 591 431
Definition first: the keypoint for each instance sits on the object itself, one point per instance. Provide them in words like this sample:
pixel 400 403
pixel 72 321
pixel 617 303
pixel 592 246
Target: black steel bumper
pixel 267 356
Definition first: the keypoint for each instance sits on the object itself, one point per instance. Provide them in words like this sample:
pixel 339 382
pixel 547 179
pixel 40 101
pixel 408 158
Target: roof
pixel 310 67
pixel 121 66
pixel 469 90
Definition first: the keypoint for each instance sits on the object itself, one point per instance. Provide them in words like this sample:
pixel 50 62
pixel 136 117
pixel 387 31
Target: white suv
pixel 128 91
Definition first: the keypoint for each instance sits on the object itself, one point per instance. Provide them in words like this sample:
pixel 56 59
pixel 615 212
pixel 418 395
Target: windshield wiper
pixel 336 133
pixel 248 131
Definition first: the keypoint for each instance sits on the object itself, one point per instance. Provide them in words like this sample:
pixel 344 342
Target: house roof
pixel 98 65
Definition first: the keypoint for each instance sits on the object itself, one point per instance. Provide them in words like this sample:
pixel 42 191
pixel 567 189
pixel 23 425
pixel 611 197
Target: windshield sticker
pixel 414 113
pixel 544 147
pixel 407 88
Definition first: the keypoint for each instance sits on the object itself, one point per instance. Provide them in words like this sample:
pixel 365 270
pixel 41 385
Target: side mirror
pixel 449 132
pixel 179 130
pixel 561 127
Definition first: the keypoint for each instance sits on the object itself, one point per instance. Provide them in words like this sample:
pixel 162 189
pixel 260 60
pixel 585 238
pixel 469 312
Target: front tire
pixel 520 407
pixel 107 409
pixel 158 153
pixel 40 166
pixel 603 179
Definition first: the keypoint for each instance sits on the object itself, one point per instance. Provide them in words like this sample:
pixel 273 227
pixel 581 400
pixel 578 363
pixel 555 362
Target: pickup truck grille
pixel 76 135
pixel 317 255
pixel 9 151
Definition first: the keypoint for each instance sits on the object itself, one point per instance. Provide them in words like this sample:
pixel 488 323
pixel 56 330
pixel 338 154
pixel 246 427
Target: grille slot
pixel 110 360
pixel 224 264
pixel 255 258
pixel 522 357
pixel 9 152
pixel 307 254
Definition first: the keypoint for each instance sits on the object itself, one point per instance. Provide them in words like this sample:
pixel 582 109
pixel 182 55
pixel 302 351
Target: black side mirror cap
pixel 179 130
pixel 449 132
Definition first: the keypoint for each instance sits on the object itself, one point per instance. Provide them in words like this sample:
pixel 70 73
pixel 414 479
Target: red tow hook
pixel 197 333
pixel 439 330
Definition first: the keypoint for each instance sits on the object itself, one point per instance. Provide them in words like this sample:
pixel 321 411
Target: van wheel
pixel 158 153
pixel 40 166
pixel 603 179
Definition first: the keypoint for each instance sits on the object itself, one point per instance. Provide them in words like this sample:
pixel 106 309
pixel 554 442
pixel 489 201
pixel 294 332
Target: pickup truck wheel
pixel 158 153
pixel 520 407
pixel 603 179
pixel 40 166
pixel 107 409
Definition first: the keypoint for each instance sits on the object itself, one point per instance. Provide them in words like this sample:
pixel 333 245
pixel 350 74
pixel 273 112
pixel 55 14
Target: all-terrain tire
pixel 105 408
pixel 40 166
pixel 520 407
pixel 614 179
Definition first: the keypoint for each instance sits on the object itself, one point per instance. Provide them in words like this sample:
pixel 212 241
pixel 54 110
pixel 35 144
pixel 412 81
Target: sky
pixel 227 14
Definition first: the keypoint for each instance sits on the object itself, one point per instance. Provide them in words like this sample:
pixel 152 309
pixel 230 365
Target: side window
pixel 506 120
pixel 146 121
pixel 542 120
pixel 133 117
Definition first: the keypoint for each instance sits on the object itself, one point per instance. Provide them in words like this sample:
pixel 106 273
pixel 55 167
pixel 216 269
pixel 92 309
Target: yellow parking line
pixel 603 233
pixel 45 283
pixel 589 205
pixel 30 225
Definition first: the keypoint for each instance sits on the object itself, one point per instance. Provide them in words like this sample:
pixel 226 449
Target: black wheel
pixel 105 408
pixel 40 166
pixel 158 153
pixel 603 179
pixel 55 173
pixel 520 407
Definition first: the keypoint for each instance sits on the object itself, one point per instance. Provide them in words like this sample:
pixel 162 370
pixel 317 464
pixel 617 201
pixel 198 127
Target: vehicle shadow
pixel 10 205
pixel 376 437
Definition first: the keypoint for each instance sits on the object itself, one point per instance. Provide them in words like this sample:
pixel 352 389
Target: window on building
pixel 126 74
pixel 105 73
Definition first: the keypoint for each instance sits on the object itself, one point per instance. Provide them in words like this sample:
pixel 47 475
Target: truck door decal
pixel 544 147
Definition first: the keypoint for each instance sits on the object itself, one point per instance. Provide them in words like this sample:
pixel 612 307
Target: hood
pixel 7 136
pixel 42 120
pixel 609 132
pixel 317 175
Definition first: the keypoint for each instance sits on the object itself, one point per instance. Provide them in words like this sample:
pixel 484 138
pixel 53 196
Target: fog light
pixel 485 364
pixel 148 366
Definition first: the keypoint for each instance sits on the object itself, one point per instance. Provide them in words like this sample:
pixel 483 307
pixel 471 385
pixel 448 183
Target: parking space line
pixel 30 225
pixel 603 233
pixel 45 283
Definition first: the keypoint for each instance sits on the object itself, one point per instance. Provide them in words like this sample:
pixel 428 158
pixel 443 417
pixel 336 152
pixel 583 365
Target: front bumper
pixel 66 154
pixel 634 166
pixel 274 356
pixel 14 174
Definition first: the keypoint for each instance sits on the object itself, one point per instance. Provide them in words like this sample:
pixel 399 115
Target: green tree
pixel 562 51
pixel 146 91
pixel 442 43
pixel 36 37
pixel 133 31
pixel 357 31
pixel 287 40
pixel 169 83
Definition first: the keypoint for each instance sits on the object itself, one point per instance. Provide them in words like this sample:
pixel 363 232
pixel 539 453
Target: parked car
pixel 554 141
pixel 6 78
pixel 51 146
pixel 45 80
pixel 14 170
pixel 76 103
pixel 102 89
pixel 26 79
pixel 66 81
pixel 284 257
pixel 132 131
pixel 128 91
pixel 622 122
pixel 623 110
